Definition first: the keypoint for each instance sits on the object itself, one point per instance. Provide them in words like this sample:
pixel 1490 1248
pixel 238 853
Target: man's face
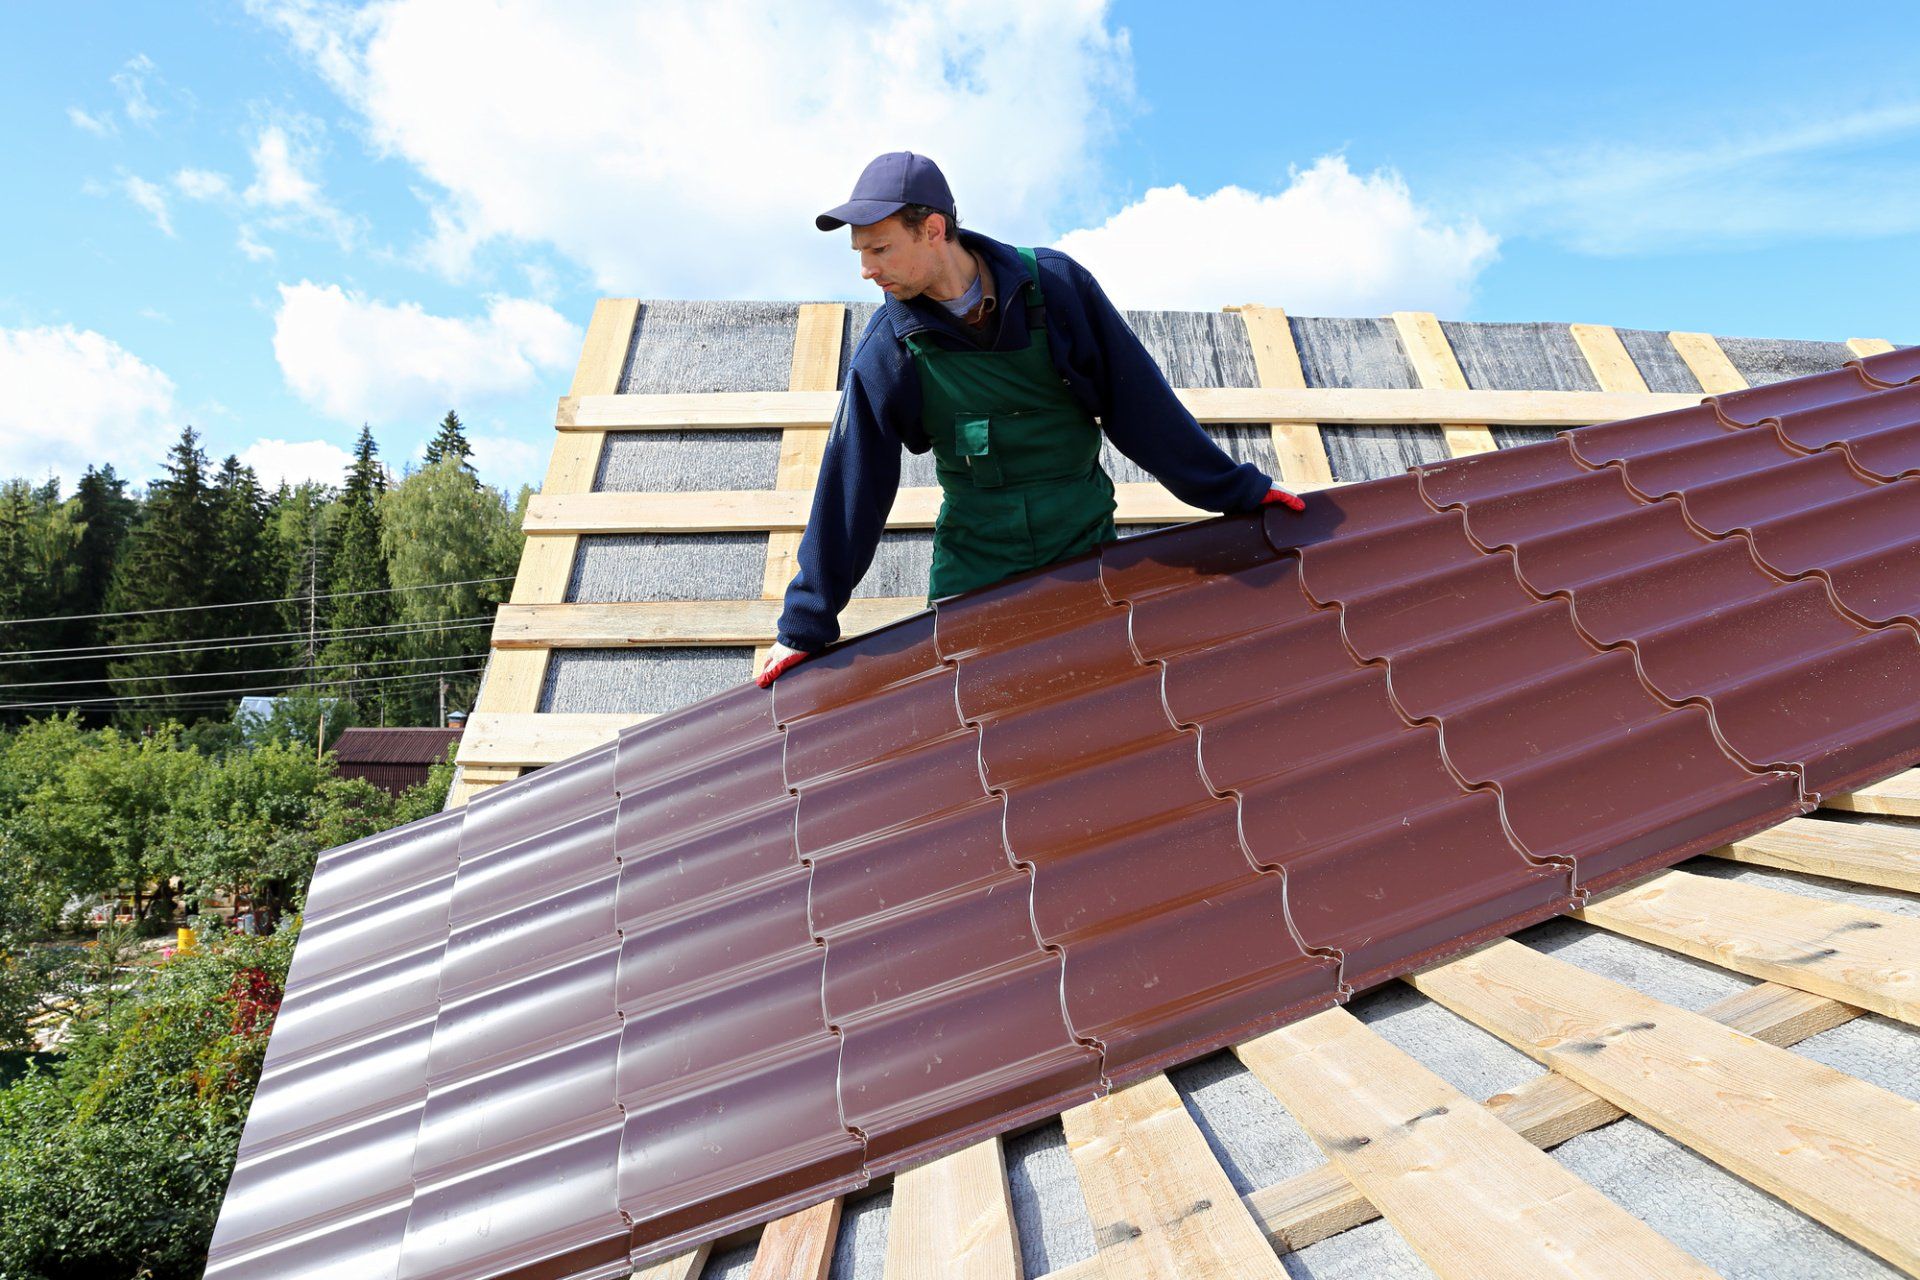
pixel 900 262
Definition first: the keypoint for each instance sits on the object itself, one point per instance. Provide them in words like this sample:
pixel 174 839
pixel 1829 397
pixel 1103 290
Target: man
pixel 999 360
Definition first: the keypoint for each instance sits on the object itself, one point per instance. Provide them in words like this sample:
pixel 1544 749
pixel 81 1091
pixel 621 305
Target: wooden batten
pixel 1866 958
pixel 1702 355
pixel 1607 356
pixel 1897 797
pixel 1434 363
pixel 1161 1205
pixel 1886 856
pixel 513 682
pixel 784 512
pixel 1428 407
pixel 816 368
pixel 1840 1150
pixel 1300 453
pixel 1472 1197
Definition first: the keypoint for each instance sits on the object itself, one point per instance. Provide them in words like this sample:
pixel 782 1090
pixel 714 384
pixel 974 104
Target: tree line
pixel 173 602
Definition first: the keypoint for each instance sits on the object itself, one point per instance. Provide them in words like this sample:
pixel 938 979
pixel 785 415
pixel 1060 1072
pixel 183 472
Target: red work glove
pixel 779 658
pixel 1285 499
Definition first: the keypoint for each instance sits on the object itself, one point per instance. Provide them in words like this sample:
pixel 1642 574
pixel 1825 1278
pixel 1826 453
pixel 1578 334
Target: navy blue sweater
pixel 1103 364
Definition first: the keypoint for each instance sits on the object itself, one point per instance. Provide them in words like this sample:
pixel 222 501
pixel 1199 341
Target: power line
pixel 205 693
pixel 147 648
pixel 243 604
pixel 251 671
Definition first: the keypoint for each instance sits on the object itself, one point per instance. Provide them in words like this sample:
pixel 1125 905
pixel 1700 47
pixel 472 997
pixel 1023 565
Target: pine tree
pixel 449 442
pixel 240 571
pixel 358 583
pixel 164 566
pixel 105 514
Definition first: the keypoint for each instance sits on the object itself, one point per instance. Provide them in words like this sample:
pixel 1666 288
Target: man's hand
pixel 1285 499
pixel 779 658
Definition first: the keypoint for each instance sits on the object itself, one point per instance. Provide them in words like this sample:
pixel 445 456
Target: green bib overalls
pixel 1018 459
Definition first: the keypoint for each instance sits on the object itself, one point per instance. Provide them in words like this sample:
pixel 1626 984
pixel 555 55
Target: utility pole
pixel 441 723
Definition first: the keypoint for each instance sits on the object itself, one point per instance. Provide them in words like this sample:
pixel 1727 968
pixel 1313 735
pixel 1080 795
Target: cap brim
pixel 859 213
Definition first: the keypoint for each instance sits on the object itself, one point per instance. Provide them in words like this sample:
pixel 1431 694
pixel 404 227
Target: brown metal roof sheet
pixel 1062 833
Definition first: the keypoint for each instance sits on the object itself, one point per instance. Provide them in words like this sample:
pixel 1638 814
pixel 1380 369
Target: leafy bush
pixel 113 1162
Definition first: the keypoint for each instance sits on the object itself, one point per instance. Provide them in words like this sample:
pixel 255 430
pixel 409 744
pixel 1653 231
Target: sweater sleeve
pixel 859 478
pixel 1146 421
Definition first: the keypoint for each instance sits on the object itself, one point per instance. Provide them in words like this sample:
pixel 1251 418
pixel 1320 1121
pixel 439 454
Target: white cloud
pixel 358 359
pixel 75 397
pixel 1765 176
pixel 1331 243
pixel 98 126
pixel 296 460
pixel 285 153
pixel 149 196
pixel 249 245
pixel 202 184
pixel 684 147
pixel 507 462
pixel 131 81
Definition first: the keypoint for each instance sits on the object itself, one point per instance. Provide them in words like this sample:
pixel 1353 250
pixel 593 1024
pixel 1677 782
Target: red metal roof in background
pixel 395 746
pixel 1059 834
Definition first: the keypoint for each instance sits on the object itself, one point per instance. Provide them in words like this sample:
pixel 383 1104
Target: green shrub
pixel 113 1162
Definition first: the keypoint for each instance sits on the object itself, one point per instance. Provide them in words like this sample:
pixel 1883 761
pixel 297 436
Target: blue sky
pixel 275 219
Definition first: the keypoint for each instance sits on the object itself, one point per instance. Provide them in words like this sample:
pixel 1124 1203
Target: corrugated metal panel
pixel 394 746
pixel 1077 827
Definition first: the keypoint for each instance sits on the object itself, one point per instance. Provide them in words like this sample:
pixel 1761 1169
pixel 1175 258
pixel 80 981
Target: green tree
pixel 49 856
pixel 39 536
pixel 247 823
pixel 358 583
pixel 165 568
pixel 299 538
pixel 113 809
pixel 242 573
pixel 450 441
pixel 105 513
pixel 440 525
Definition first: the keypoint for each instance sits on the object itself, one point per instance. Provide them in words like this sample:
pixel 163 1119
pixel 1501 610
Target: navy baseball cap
pixel 889 184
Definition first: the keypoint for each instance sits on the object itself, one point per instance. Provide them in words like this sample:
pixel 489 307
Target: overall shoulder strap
pixel 1037 298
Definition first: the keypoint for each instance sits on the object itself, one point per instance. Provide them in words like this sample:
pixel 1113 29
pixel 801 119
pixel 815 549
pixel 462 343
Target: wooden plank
pixel 682 1266
pixel 1884 856
pixel 1160 1204
pixel 546 564
pixel 798 1246
pixel 1838 1149
pixel 816 367
pixel 1546 1111
pixel 1863 957
pixel 1869 346
pixel 953 1219
pixel 1469 1195
pixel 527 738
pixel 629 624
pixel 724 510
pixel 1607 356
pixel 730 410
pixel 1897 797
pixel 1433 361
pixel 1701 353
pixel 1298 449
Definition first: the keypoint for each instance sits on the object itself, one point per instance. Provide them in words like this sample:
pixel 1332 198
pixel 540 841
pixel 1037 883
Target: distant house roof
pixel 394 746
